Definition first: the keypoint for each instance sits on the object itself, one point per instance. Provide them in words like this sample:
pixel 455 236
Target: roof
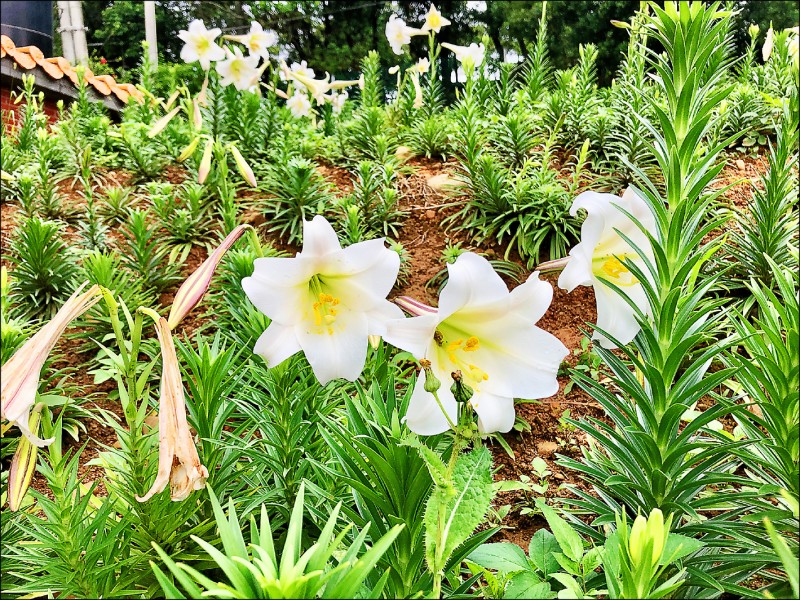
pixel 56 68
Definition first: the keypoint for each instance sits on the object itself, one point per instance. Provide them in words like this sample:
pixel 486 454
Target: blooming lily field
pixel 278 335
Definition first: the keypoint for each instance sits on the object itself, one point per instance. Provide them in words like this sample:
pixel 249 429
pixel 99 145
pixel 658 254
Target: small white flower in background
pixel 299 104
pixel 434 20
pixel 326 301
pixel 769 42
pixel 468 55
pixel 422 66
pixel 178 461
pixel 399 34
pixel 302 69
pixel 257 41
pixel 21 372
pixel 598 257
pixel 489 334
pixel 239 70
pixel 200 45
pixel 337 102
pixel 394 70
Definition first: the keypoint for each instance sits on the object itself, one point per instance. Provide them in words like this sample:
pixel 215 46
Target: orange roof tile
pixel 57 67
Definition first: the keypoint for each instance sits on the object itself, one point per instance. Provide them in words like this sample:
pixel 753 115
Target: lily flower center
pixel 611 268
pixel 201 44
pixel 457 351
pixel 323 307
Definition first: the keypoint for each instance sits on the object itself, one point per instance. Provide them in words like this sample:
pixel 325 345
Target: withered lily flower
pixel 192 290
pixel 178 461
pixel 21 373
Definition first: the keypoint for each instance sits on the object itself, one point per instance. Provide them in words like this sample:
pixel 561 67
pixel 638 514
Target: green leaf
pixel 452 514
pixel 570 540
pixel 677 547
pixel 503 556
pixel 528 585
pixel 541 550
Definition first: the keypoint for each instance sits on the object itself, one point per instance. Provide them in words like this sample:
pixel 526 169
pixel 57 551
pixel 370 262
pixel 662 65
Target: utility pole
pixel 78 32
pixel 150 32
pixel 66 30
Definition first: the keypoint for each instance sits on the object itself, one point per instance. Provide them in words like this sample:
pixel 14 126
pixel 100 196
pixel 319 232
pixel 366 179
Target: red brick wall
pixel 12 111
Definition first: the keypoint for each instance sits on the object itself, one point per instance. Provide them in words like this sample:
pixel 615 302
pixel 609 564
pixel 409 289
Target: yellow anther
pixel 472 344
pixel 324 313
pixel 613 267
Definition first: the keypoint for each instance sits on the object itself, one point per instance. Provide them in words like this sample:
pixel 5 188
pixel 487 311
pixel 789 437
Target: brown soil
pixel 424 237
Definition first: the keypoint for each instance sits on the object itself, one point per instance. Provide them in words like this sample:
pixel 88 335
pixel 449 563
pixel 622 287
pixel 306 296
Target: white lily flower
pixel 598 257
pixel 489 334
pixel 468 55
pixel 299 104
pixel 301 69
pixel 769 42
pixel 422 66
pixel 337 102
pixel 326 301
pixel 239 70
pixel 200 44
pixel 399 34
pixel 257 41
pixel 434 20
pixel 316 87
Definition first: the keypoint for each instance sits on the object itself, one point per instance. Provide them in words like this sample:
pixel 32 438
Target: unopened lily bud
pixel 23 463
pixel 189 150
pixel 244 168
pixel 460 390
pixel 205 162
pixel 432 383
pixel 192 290
pixel 374 341
pixel 753 30
pixel 393 70
pixel 643 531
pixel 197 115
pixel 620 24
pixel 162 123
pixel 171 100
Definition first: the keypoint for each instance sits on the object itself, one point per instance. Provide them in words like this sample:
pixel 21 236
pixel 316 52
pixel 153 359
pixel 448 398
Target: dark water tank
pixel 28 23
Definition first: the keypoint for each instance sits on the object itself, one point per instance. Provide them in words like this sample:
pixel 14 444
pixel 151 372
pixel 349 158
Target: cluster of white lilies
pixel 329 302
pixel 244 72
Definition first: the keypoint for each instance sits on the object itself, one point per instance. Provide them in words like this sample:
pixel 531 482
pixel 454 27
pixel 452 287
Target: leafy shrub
pixel 299 192
pixel 44 270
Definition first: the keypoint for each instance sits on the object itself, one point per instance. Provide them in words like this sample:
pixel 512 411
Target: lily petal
pixel 319 238
pixel 276 344
pixel 424 417
pixel 472 280
pixel 341 353
pixel 413 335
pixel 495 413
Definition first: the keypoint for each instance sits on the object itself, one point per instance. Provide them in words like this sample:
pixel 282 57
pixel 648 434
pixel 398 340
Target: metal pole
pixel 150 31
pixel 67 45
pixel 79 32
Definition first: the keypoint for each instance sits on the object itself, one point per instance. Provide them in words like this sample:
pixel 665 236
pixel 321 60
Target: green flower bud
pixel 432 383
pixel 460 390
